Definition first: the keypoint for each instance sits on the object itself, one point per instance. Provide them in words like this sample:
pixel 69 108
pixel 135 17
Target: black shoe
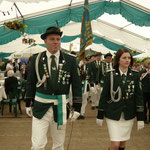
pixel 96 107
pixel 146 122
pixel 81 117
pixel 93 107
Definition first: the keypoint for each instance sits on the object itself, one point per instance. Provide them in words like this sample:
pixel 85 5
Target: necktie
pixel 108 66
pixel 123 78
pixel 53 71
pixel 98 74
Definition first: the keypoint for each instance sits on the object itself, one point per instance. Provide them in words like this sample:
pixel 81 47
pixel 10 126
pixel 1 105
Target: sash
pixel 84 88
pixel 59 100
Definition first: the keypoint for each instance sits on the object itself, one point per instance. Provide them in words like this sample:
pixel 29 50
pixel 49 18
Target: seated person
pixel 11 83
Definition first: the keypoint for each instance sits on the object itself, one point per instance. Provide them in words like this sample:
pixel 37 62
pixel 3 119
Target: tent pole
pixel 126 26
pixel 70 3
pixel 18 10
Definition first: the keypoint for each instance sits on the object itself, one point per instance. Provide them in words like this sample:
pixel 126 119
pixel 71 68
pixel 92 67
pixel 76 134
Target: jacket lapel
pixel 43 64
pixel 118 79
pixel 61 64
pixel 45 69
pixel 128 78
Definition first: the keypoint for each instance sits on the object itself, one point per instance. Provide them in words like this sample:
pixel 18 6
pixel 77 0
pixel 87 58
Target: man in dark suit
pixel 16 65
pixel 48 83
pixel 108 62
pixel 145 79
pixel 84 77
pixel 96 75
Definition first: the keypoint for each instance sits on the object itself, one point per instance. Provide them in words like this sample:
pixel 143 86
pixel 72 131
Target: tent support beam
pixel 114 41
pixel 18 10
pixel 137 6
pixel 70 2
pixel 50 11
pixel 126 26
pixel 127 31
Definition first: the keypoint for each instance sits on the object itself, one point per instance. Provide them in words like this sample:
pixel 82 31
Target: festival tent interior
pixel 115 24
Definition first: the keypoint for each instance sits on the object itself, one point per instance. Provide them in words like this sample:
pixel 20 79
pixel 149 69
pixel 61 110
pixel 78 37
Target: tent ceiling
pixel 26 1
pixel 111 27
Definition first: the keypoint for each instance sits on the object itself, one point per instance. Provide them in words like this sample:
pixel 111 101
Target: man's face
pixel 98 58
pixel 53 42
pixel 108 59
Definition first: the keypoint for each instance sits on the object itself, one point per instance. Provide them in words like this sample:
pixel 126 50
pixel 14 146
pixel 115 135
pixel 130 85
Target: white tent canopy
pixel 111 27
pixel 143 55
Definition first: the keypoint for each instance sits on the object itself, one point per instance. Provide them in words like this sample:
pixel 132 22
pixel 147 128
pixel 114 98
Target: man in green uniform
pixel 84 77
pixel 108 62
pixel 96 74
pixel 51 74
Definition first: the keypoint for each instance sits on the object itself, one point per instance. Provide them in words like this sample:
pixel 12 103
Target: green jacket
pixel 96 72
pixel 131 101
pixel 69 76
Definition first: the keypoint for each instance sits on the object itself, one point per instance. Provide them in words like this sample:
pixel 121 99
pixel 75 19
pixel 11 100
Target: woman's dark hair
pixel 118 55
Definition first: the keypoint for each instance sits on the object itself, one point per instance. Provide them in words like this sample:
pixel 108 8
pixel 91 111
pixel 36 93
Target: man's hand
pixel 75 115
pixel 93 90
pixel 29 111
pixel 97 87
pixel 140 125
pixel 99 122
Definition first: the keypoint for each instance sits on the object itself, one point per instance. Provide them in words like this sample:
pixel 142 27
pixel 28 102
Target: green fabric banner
pixel 2 55
pixel 38 25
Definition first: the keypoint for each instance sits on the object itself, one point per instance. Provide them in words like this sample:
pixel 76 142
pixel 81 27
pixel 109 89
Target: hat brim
pixel 98 54
pixel 107 56
pixel 43 36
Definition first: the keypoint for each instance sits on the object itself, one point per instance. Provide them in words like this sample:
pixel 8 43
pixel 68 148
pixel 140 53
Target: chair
pixel 13 100
pixel 22 88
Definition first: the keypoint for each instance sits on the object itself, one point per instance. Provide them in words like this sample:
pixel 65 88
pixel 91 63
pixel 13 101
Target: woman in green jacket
pixel 121 100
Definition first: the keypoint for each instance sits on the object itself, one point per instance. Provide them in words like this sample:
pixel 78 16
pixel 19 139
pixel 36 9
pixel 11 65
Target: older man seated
pixel 11 83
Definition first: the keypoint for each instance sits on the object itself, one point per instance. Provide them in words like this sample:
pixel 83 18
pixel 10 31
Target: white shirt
pixel 9 66
pixel 108 64
pixel 49 59
pixel 121 73
pixel 98 62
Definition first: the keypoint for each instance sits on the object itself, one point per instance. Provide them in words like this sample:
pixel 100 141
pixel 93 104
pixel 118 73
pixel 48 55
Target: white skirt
pixel 119 130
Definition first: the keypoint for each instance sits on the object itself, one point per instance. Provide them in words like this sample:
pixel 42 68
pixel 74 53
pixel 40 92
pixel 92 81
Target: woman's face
pixel 125 60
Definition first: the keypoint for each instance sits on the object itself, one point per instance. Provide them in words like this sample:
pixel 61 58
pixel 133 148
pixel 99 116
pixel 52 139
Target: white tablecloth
pixel 2 93
pixel 2 82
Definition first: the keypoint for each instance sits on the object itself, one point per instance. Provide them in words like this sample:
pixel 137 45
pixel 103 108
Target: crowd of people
pixel 13 76
pixel 19 68
pixel 117 87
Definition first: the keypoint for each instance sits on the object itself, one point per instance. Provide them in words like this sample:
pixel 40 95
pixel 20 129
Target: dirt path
pixel 15 133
